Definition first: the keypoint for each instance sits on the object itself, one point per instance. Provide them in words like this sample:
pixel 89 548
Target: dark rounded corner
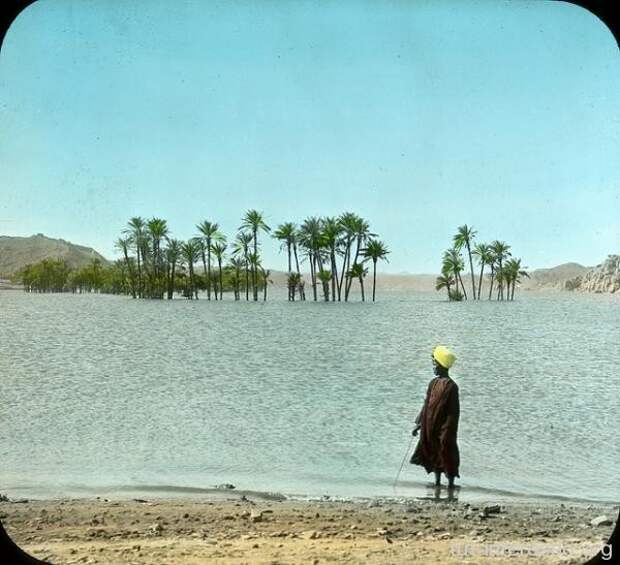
pixel 15 555
pixel 10 10
pixel 607 554
pixel 604 11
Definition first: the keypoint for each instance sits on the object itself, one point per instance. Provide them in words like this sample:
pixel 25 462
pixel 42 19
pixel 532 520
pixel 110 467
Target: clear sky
pixel 420 116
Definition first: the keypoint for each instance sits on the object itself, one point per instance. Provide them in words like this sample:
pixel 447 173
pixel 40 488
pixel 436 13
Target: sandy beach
pixel 238 528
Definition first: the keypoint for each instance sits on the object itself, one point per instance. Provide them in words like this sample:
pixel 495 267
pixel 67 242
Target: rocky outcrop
pixel 603 278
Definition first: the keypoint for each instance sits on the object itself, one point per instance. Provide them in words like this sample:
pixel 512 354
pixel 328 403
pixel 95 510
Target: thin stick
pixel 402 464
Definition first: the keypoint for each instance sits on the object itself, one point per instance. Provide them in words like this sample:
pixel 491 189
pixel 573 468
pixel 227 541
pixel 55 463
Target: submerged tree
pixel 374 251
pixel 446 281
pixel 485 257
pixel 254 221
pixel 501 251
pixel 464 238
pixel 190 251
pixel 504 271
pixel 209 234
pixel 358 272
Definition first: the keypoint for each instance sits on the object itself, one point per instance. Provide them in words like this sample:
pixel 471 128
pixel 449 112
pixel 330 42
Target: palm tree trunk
pixel 350 281
pixel 501 284
pixel 219 266
pixel 345 266
pixel 374 278
pixel 313 275
pixel 237 283
pixel 512 296
pixel 492 279
pixel 334 275
pixel 471 270
pixel 247 280
pixel 288 248
pixel 480 280
pixel 297 266
pixel 131 275
pixel 462 286
pixel 296 258
pixel 254 272
pixel 172 275
pixel 139 271
pixel 362 287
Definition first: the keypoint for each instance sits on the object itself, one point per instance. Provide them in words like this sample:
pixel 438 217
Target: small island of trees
pixel 505 271
pixel 155 265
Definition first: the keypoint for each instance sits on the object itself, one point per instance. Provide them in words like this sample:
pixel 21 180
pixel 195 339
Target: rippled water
pixel 102 392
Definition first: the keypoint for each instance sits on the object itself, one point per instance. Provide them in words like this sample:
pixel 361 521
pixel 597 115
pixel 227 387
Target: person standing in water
pixel 437 450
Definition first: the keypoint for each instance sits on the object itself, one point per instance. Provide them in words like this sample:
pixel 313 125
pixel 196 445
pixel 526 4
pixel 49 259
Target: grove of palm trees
pixel 505 271
pixel 155 265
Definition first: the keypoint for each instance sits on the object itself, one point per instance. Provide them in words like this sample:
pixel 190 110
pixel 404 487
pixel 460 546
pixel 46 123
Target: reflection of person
pixel 437 450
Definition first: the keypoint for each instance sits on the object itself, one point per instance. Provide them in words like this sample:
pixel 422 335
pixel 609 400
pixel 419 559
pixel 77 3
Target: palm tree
pixel 136 232
pixel 374 251
pixel 122 244
pixel 453 262
pixel 349 222
pixel 293 282
pixel 254 221
pixel 237 264
pixel 190 251
pixel 157 230
pixel 362 233
pixel 464 237
pixel 493 265
pixel 242 247
pixel 286 234
pixel 310 240
pixel 209 233
pixel 500 251
pixel 513 273
pixel 325 277
pixel 359 272
pixel 266 280
pixel 255 265
pixel 330 235
pixel 219 249
pixel 173 254
pixel 485 257
pixel 445 281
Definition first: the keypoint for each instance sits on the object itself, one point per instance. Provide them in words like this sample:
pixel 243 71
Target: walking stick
pixel 402 464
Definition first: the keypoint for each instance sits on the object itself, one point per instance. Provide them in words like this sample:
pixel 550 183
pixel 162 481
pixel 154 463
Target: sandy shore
pixel 235 528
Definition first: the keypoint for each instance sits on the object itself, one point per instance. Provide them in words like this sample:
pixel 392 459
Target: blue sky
pixel 420 116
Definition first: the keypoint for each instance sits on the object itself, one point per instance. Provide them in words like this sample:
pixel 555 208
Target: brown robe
pixel 437 449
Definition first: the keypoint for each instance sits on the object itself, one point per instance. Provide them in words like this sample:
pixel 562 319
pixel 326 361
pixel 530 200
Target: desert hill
pixel 17 252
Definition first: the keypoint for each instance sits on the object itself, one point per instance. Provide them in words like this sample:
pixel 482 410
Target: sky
pixel 419 116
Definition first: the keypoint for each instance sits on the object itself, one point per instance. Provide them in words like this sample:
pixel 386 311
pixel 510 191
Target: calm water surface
pixel 102 392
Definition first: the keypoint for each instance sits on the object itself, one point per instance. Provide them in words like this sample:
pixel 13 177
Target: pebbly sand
pixel 238 528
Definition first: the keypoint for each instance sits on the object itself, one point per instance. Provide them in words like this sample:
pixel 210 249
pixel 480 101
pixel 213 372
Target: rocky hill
pixel 17 252
pixel 602 278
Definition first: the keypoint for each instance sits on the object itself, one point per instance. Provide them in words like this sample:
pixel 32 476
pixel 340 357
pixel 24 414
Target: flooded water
pixel 102 392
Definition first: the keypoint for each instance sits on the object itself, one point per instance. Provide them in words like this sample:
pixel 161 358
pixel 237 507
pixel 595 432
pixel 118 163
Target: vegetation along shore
pixel 338 252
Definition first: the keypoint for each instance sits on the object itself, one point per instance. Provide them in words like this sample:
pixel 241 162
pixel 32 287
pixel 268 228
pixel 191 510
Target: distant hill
pixel 17 252
pixel 555 278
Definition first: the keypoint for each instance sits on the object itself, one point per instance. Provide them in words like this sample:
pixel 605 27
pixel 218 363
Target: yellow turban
pixel 444 356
